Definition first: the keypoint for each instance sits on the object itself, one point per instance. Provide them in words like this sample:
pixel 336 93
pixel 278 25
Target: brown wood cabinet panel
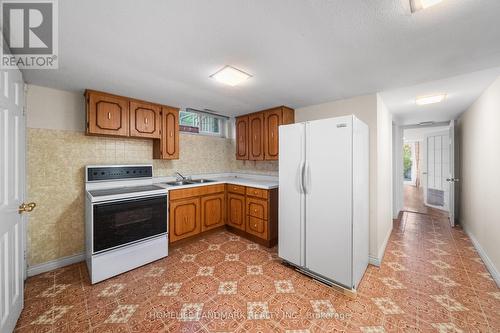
pixel 257 227
pixel 184 219
pixel 145 120
pixel 107 114
pixel 236 210
pixel 242 138
pixel 167 147
pixel 257 192
pixel 195 191
pixel 257 208
pixel 256 125
pixel 213 211
pixel 236 189
pixel 272 120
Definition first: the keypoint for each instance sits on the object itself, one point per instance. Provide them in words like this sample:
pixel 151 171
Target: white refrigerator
pixel 323 199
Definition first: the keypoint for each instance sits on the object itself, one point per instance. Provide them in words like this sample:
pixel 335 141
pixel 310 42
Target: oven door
pixel 120 222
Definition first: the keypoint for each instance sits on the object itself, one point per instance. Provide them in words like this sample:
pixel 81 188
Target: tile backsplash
pixel 56 161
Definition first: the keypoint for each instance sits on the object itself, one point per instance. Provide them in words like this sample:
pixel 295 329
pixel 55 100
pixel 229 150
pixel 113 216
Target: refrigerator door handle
pixel 302 173
pixel 306 178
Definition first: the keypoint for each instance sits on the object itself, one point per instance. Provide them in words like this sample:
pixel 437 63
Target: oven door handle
pixel 130 199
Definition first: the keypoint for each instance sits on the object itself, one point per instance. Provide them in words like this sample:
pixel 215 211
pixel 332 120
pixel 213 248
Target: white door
pixel 453 173
pixel 438 167
pixel 329 199
pixel 12 189
pixel 291 194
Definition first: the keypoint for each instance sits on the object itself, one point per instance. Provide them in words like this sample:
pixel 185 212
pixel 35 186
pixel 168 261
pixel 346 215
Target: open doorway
pixel 426 169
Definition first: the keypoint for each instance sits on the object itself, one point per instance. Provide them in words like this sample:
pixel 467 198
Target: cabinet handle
pixel 255 137
pixel 255 210
pixel 171 134
pixel 272 134
pixel 146 120
pixel 109 115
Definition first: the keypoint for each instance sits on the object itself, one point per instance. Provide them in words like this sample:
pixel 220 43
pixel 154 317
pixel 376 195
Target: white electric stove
pixel 126 219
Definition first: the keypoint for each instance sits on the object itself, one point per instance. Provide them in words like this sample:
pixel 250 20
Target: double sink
pixel 189 182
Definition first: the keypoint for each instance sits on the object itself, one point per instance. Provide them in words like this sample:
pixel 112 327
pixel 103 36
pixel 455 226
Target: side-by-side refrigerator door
pixel 328 199
pixel 291 196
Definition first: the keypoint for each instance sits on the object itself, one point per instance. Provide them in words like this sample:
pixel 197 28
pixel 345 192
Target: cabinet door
pixel 236 210
pixel 256 124
pixel 184 219
pixel 242 138
pixel 257 227
pixel 272 120
pixel 145 120
pixel 257 208
pixel 107 114
pixel 213 211
pixel 167 148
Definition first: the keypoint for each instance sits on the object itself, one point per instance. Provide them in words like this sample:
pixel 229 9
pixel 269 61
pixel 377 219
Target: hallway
pixel 436 278
pixel 414 202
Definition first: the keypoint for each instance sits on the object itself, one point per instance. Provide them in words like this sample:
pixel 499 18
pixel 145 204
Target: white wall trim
pixel 54 264
pixel 377 261
pixel 487 261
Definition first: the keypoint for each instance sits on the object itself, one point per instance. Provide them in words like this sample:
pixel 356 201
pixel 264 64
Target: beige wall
pixel 384 175
pixel 58 150
pixel 365 108
pixel 479 129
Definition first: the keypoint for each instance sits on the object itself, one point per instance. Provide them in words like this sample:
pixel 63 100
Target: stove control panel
pixel 117 172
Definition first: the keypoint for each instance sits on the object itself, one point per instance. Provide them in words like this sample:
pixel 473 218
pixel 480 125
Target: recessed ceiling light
pixel 230 76
pixel 417 5
pixel 424 100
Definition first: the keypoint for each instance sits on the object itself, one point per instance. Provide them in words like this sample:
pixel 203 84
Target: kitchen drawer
pixel 257 208
pixel 257 227
pixel 195 191
pixel 238 189
pixel 257 192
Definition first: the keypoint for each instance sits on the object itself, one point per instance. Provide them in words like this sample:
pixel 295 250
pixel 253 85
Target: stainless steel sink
pixel 200 181
pixel 179 182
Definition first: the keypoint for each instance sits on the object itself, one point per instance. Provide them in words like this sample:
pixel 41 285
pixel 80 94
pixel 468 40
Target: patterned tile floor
pixel 431 280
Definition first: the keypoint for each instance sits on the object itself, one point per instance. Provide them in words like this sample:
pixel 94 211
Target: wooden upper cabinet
pixel 145 120
pixel 184 219
pixel 272 120
pixel 256 125
pixel 106 114
pixel 257 135
pixel 213 211
pixel 242 138
pixel 167 147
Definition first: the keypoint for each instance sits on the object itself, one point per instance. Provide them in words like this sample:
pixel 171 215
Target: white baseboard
pixel 377 261
pixel 487 261
pixel 54 264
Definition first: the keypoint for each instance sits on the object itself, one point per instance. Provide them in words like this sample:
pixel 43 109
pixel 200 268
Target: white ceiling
pixel 299 52
pixel 462 91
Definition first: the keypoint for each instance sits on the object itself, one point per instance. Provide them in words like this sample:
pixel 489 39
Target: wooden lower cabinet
pixel 213 212
pixel 247 211
pixel 257 227
pixel 236 210
pixel 184 219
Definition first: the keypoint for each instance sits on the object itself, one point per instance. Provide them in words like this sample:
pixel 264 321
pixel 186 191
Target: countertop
pixel 250 180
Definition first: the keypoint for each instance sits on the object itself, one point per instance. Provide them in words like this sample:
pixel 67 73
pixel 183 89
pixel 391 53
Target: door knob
pixel 26 207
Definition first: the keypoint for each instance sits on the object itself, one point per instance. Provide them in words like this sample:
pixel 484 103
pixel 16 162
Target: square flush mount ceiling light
pixel 425 100
pixel 230 76
pixel 417 5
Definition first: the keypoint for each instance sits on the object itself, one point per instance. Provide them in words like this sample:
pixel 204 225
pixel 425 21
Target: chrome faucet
pixel 180 177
